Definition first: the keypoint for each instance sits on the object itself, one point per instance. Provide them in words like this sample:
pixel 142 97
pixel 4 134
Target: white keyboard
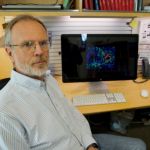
pixel 95 99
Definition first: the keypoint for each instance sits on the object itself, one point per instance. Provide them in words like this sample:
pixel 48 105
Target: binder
pixel 96 4
pixel 131 5
pixel 86 4
pixel 102 3
pixel 90 2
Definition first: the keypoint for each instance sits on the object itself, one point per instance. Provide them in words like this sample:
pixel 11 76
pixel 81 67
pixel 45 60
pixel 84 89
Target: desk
pixel 130 90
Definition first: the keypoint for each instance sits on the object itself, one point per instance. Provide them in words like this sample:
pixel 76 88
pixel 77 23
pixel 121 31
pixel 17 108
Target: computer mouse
pixel 144 93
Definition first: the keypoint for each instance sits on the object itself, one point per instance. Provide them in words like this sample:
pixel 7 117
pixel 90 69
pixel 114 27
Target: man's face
pixel 32 62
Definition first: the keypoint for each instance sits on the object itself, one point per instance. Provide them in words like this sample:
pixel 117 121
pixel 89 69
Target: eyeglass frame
pixel 31 45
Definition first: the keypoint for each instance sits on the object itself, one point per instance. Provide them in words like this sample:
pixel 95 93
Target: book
pixel 65 4
pixel 140 5
pixel 127 5
pixel 96 4
pixel 91 5
pixel 101 2
pixel 120 5
pixel 131 5
pixel 71 4
pixel 124 5
pixel 112 3
pixel 105 4
pixel 135 5
pixel 117 4
pixel 86 4
pixel 109 6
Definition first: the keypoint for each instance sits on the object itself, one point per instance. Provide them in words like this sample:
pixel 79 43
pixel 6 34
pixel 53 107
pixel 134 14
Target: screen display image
pixel 98 57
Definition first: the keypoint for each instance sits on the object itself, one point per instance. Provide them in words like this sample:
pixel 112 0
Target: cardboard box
pixel 146 2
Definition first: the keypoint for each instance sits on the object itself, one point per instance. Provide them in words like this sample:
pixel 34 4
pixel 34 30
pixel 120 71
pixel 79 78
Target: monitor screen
pixel 97 57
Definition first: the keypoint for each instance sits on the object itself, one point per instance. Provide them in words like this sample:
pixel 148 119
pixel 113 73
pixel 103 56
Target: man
pixel 34 114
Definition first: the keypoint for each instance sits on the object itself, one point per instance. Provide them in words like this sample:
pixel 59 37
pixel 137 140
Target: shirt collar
pixel 27 81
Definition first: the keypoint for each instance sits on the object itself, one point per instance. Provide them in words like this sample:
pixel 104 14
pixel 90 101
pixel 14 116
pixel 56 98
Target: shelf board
pixel 39 12
pixel 73 13
pixel 115 14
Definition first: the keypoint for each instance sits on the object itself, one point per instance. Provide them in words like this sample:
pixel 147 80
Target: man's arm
pixel 12 134
pixel 80 120
pixel 83 125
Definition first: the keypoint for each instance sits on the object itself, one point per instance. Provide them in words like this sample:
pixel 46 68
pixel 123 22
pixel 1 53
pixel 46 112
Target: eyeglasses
pixel 31 45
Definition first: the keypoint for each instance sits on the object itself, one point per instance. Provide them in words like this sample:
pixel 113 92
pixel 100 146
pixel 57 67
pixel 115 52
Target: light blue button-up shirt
pixel 36 115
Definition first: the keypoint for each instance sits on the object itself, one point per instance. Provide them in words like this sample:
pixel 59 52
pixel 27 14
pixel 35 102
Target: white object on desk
pixel 94 99
pixel 144 93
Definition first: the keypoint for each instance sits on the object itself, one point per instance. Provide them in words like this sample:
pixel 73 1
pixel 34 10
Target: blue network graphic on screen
pixel 100 57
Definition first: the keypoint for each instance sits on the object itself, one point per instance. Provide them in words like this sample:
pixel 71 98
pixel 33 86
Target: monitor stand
pixel 98 87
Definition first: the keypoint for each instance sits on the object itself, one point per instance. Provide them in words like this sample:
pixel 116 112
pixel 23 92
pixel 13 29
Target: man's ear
pixel 9 52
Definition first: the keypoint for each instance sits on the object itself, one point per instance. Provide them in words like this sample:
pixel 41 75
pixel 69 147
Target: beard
pixel 30 70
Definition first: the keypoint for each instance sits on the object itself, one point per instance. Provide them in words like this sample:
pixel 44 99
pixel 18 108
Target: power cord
pixel 136 81
pixel 140 79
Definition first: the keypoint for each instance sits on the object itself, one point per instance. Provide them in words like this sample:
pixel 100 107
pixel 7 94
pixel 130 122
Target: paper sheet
pixel 144 39
pixel 144 33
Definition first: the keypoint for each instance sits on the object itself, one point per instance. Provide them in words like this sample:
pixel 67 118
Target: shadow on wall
pixel 5 65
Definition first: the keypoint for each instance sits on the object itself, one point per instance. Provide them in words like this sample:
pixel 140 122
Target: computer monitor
pixel 98 57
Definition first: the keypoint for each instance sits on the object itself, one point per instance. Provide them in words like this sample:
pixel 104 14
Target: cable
pixel 135 81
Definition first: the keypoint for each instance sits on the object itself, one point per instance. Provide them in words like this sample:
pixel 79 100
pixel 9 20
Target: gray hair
pixel 16 20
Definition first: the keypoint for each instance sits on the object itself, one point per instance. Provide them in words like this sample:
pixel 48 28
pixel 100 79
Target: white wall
pixel 61 25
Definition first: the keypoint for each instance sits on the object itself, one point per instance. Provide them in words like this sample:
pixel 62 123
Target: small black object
pixel 3 82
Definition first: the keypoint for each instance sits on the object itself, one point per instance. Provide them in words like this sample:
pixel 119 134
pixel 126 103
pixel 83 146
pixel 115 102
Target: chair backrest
pixel 3 82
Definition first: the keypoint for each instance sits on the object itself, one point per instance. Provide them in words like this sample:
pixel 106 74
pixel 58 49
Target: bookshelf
pixel 76 12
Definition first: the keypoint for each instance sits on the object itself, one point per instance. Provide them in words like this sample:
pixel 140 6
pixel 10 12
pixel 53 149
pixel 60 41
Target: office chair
pixel 3 82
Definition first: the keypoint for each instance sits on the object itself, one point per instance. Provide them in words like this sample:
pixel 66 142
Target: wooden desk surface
pixel 130 90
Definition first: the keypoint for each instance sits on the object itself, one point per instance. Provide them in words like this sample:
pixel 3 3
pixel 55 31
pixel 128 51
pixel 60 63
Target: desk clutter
pixel 31 6
pixel 31 2
pixel 37 4
pixel 94 99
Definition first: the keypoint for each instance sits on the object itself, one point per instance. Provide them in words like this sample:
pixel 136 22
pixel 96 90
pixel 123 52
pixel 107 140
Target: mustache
pixel 39 59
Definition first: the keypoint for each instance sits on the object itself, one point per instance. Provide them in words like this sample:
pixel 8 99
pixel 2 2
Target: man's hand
pixel 92 148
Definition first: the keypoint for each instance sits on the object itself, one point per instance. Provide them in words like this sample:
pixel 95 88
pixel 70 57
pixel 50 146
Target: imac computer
pixel 99 57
